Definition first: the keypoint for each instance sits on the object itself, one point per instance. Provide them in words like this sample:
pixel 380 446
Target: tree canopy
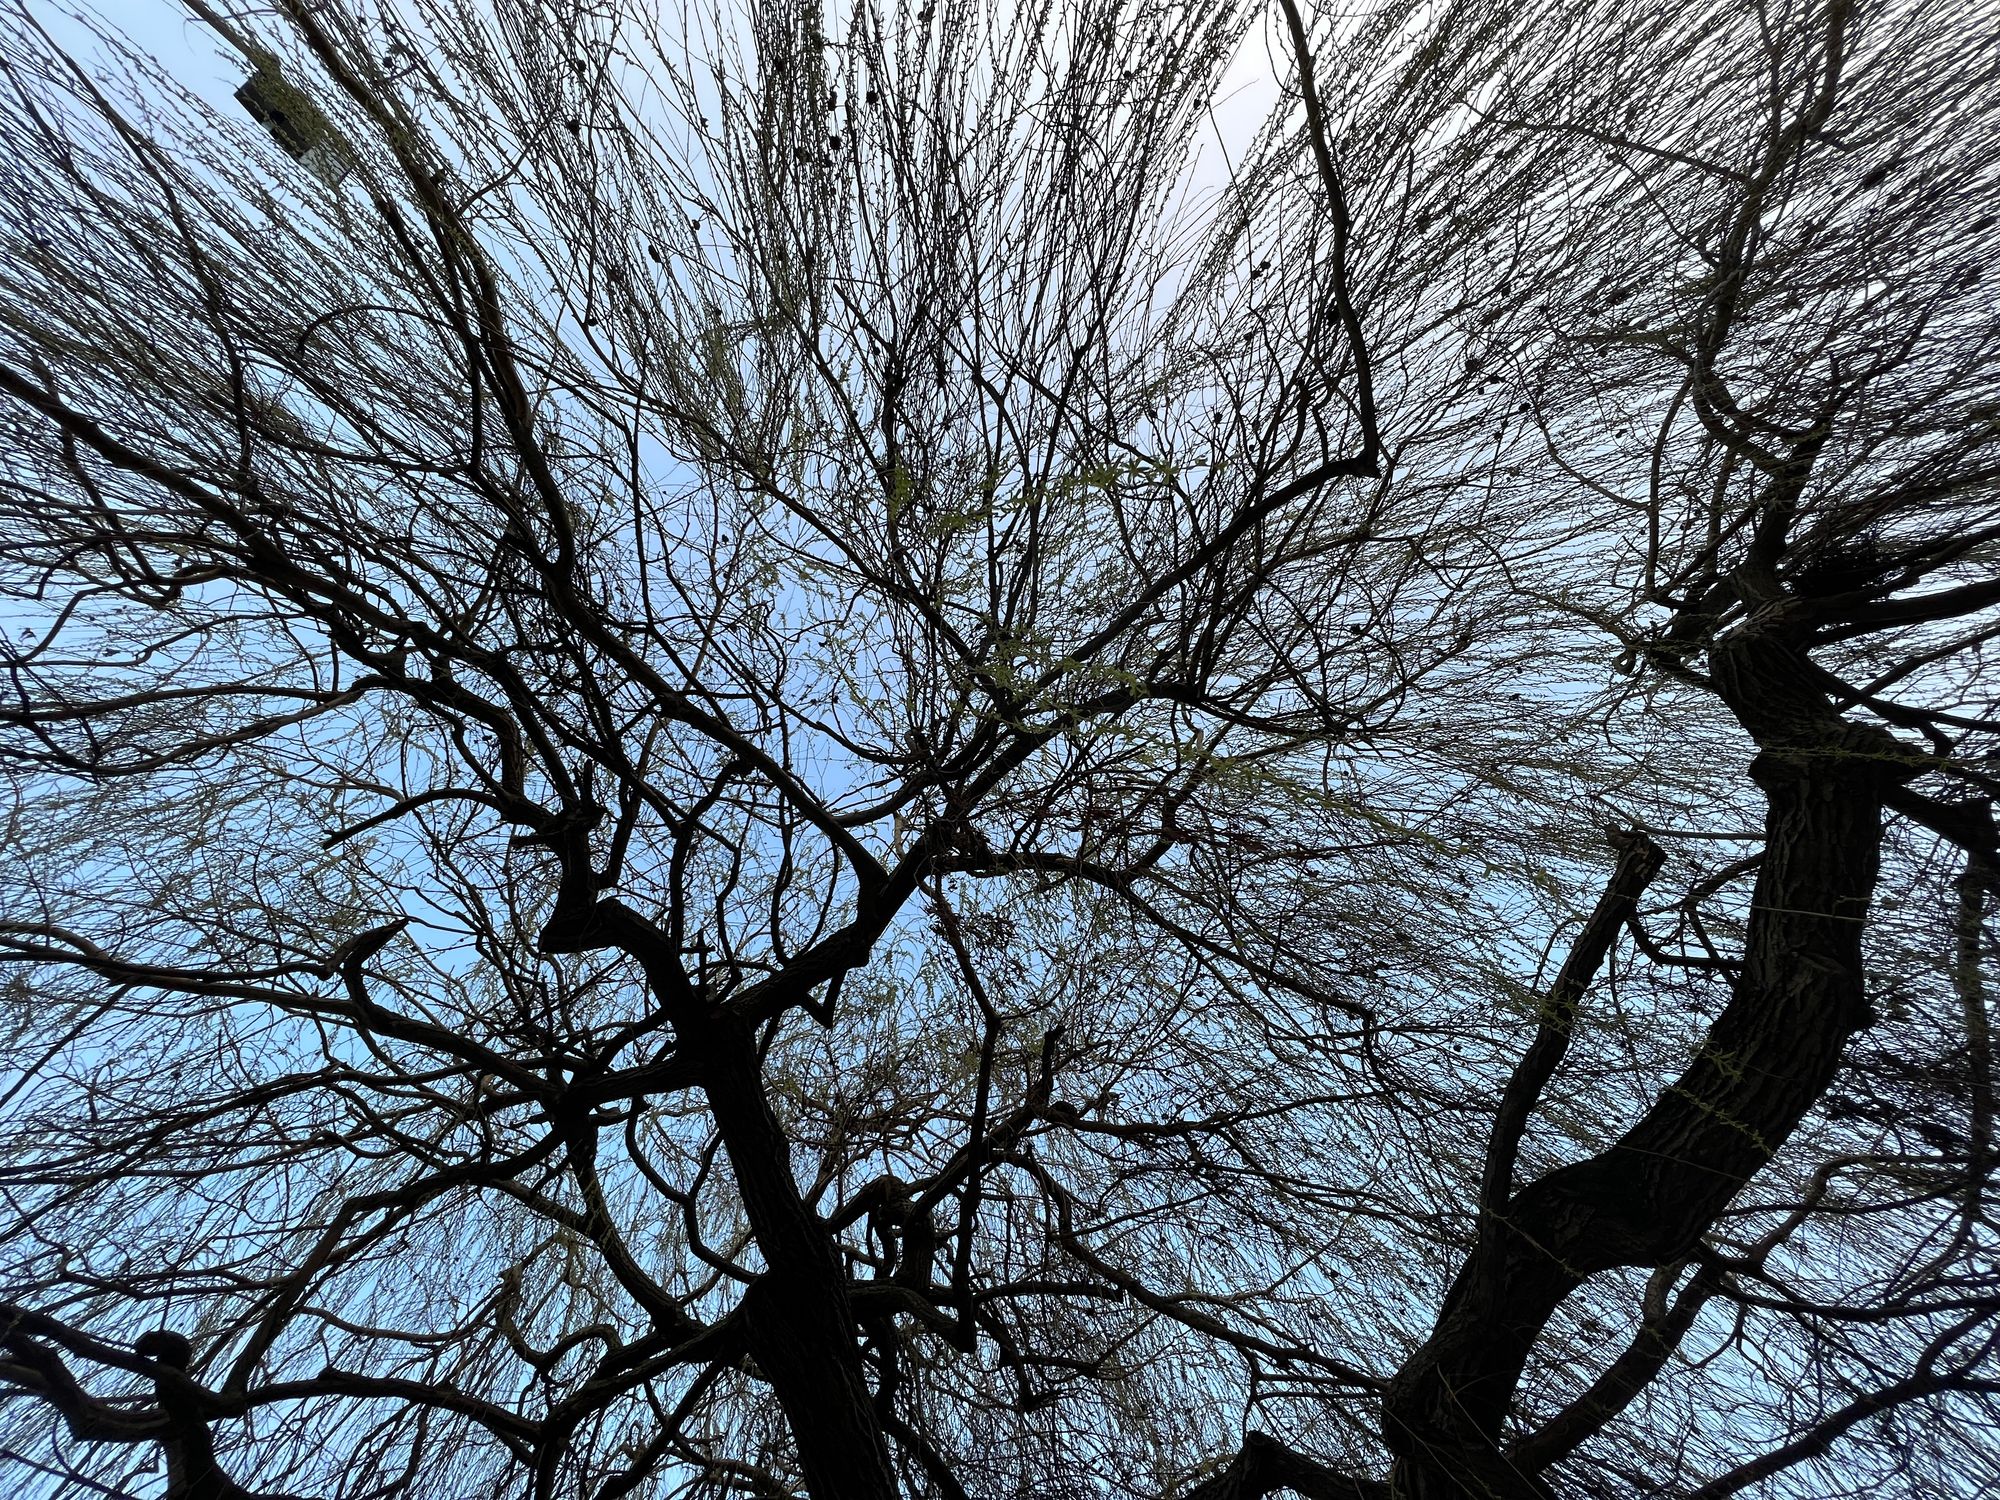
pixel 842 750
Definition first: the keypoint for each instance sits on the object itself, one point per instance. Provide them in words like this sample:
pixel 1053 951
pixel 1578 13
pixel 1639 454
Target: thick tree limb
pixel 1266 1465
pixel 1639 860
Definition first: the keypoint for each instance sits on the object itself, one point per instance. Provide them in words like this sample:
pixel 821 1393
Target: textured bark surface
pixel 798 1315
pixel 1646 1199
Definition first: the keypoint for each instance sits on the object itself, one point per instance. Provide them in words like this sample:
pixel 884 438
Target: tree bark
pixel 797 1315
pixel 1647 1198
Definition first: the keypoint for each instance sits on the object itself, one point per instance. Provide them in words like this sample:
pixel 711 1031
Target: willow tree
pixel 820 750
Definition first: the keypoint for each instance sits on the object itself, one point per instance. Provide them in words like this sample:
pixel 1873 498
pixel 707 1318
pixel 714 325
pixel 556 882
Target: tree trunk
pixel 1647 1199
pixel 797 1314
